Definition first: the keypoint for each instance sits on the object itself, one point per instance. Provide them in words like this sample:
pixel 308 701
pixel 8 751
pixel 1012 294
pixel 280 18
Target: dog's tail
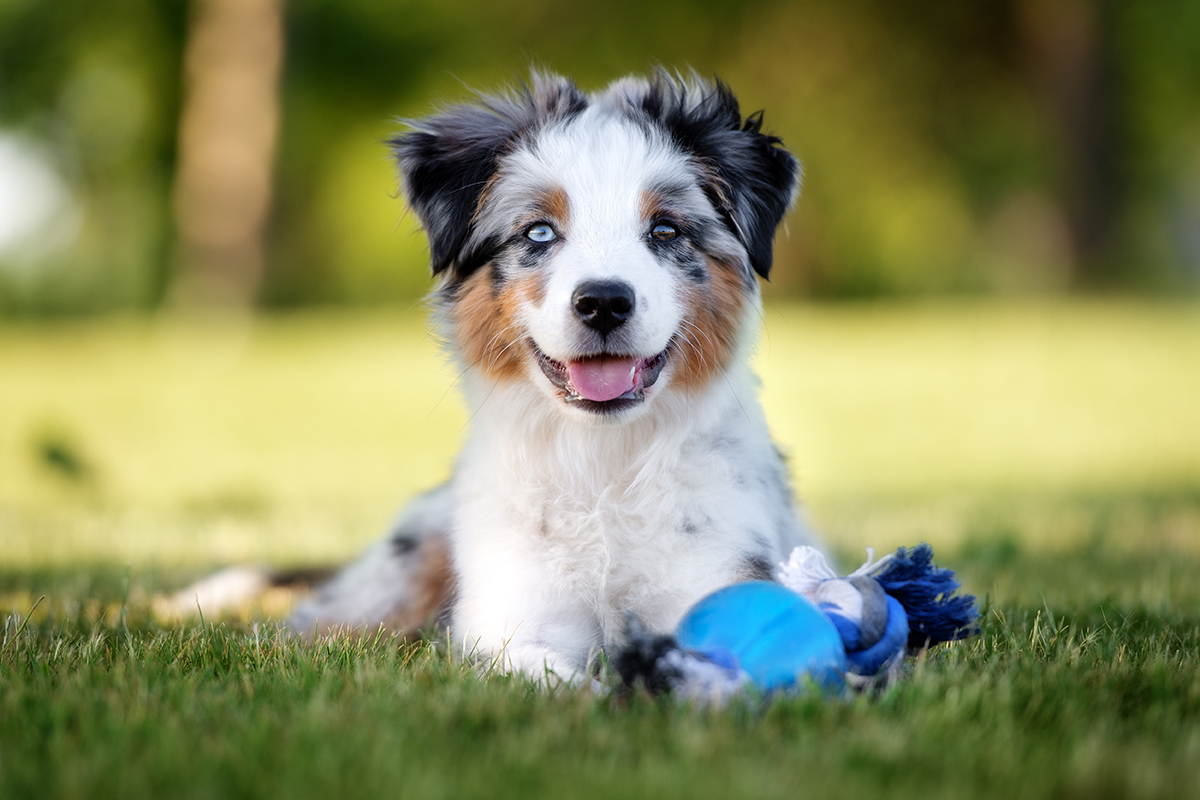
pixel 403 583
pixel 241 588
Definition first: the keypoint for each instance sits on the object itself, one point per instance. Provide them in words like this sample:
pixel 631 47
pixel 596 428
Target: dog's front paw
pixel 539 663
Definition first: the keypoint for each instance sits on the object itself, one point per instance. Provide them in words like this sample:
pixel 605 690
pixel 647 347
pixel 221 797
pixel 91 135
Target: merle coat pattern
pixel 597 261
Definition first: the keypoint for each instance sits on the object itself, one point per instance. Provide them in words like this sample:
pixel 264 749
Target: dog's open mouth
pixel 604 382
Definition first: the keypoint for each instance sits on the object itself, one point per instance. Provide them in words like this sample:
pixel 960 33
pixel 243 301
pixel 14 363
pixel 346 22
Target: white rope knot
pixel 805 569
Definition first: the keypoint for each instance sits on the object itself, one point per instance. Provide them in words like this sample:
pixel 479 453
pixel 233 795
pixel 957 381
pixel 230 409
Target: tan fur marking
pixel 713 179
pixel 710 330
pixel 433 591
pixel 651 205
pixel 531 288
pixel 555 205
pixel 485 324
pixel 485 320
pixel 484 196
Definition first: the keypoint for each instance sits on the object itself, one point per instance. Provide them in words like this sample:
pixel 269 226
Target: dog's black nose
pixel 603 305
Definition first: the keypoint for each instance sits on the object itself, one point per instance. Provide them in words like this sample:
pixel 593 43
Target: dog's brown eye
pixel 664 232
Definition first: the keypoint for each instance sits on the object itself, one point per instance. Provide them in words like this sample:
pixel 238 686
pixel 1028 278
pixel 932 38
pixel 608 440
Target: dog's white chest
pixel 594 528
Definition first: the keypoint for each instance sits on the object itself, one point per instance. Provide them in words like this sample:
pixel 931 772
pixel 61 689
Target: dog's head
pixel 604 247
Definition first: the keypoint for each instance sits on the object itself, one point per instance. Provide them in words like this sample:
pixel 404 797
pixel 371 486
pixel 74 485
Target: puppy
pixel 597 261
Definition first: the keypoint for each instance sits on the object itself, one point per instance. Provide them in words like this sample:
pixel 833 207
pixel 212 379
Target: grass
pixel 1051 453
pixel 1095 697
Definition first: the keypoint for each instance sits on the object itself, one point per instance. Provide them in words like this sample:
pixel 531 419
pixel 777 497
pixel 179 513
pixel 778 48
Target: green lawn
pixel 1051 453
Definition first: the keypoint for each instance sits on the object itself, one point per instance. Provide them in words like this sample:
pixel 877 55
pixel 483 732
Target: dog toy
pixel 811 629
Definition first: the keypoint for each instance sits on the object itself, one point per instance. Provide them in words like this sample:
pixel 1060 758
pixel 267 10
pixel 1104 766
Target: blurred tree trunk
pixel 226 150
pixel 1068 62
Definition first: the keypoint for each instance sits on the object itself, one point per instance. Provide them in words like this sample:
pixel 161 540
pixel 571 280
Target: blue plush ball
pixel 771 632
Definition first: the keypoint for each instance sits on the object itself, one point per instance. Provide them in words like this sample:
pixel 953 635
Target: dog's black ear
pixel 446 160
pixel 753 180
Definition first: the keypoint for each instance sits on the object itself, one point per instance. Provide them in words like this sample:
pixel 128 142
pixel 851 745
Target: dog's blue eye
pixel 664 232
pixel 540 233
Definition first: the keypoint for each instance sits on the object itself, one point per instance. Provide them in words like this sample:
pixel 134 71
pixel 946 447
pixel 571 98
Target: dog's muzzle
pixel 603 383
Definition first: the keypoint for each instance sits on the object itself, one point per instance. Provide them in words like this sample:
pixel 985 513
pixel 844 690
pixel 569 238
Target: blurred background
pixel 156 151
pixel 982 332
pixel 982 325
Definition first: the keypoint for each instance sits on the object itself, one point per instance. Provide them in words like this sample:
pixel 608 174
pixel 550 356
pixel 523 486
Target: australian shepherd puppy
pixel 597 258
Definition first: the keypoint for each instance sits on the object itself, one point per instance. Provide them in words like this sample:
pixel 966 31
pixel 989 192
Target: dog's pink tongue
pixel 602 379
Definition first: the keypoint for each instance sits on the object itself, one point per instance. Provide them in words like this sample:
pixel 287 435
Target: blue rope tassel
pixel 925 591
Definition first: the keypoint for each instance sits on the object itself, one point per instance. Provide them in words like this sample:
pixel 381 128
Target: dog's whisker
pixel 498 334
pixel 441 315
pixel 721 367
pixel 702 332
pixel 481 404
pixel 453 383
pixel 469 367
pixel 699 352
pixel 724 372
pixel 465 370
pixel 494 360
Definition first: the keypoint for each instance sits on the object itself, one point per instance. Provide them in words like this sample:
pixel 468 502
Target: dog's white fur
pixel 563 519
